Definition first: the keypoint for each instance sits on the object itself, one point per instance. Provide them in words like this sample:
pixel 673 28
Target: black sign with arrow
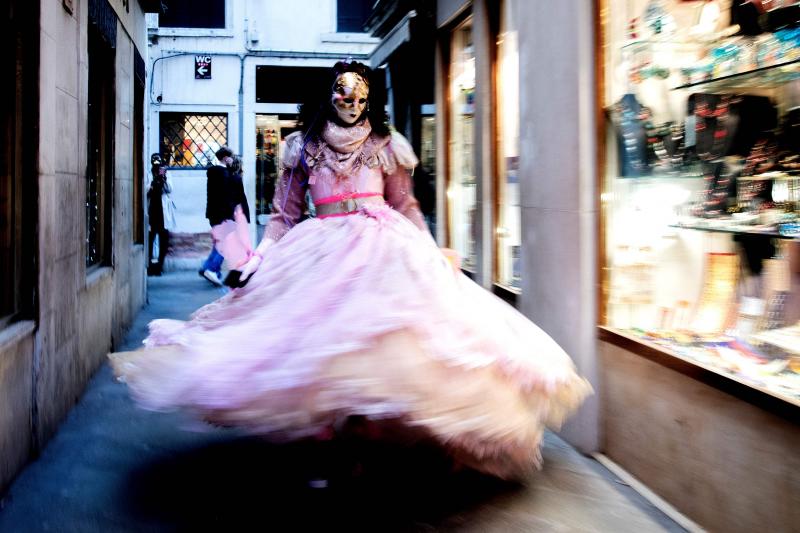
pixel 202 67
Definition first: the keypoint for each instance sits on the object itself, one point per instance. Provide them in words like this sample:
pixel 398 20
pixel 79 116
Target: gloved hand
pixel 249 268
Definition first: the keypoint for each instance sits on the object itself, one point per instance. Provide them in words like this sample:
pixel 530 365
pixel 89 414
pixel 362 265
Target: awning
pixel 397 36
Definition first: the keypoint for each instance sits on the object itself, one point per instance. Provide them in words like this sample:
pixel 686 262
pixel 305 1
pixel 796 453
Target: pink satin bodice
pixel 377 165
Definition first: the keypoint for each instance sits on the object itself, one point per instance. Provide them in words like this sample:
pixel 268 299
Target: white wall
pixel 303 25
pixel 296 33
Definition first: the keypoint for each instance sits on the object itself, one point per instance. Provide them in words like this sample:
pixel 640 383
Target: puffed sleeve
pixel 399 161
pixel 288 203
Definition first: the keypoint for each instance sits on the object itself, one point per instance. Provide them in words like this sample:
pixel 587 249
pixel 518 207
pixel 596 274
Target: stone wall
pixel 46 362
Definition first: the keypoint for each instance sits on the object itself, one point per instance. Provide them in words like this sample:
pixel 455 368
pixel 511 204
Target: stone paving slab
pixel 115 468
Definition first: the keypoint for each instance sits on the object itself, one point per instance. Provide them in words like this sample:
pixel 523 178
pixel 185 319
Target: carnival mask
pixel 349 97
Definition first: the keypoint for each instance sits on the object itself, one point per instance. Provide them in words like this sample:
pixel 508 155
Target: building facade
pixel 234 74
pixel 622 172
pixel 516 176
pixel 72 267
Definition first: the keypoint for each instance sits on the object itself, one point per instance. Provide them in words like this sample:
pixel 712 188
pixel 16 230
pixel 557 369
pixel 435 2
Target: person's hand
pixel 249 268
pixel 454 257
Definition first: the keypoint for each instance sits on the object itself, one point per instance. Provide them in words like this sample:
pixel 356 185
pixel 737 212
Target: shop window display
pixel 268 135
pixel 701 192
pixel 425 175
pixel 462 185
pixel 508 231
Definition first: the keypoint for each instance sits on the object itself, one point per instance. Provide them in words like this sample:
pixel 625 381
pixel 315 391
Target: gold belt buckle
pixel 349 205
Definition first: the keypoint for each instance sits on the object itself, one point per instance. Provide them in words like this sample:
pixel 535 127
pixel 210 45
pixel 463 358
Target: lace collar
pixel 346 140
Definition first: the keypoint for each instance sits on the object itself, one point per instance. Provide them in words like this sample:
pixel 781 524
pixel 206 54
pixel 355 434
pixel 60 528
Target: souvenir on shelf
pixel 703 232
pixel 718 295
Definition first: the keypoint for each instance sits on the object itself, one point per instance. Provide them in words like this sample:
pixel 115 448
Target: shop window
pixel 18 165
pixel 268 140
pixel 191 14
pixel 138 147
pixel 352 14
pixel 700 190
pixel 462 184
pixel 508 232
pixel 189 140
pixel 425 175
pixel 271 133
pixel 100 148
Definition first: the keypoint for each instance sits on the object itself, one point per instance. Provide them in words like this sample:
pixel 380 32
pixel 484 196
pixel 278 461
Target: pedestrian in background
pixel 224 191
pixel 161 215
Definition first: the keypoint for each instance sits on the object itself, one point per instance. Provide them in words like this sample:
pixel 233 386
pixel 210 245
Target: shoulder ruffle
pixel 290 158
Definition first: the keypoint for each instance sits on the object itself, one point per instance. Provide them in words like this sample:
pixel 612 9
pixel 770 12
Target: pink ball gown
pixel 360 313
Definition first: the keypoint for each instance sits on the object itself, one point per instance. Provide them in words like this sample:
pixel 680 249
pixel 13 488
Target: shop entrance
pixel 271 132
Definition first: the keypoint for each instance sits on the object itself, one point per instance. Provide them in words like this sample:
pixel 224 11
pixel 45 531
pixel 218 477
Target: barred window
pixel 190 141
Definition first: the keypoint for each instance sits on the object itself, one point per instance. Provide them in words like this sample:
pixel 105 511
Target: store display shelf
pixel 660 43
pixel 771 176
pixel 787 339
pixel 664 176
pixel 733 228
pixel 763 77
pixel 683 353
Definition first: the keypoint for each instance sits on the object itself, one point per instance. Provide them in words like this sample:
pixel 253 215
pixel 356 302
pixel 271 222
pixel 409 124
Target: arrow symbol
pixel 202 70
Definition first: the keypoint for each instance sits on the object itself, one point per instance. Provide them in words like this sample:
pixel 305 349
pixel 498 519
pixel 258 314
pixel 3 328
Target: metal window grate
pixel 189 141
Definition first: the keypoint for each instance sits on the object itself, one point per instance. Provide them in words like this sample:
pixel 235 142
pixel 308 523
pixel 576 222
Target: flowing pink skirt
pixel 363 315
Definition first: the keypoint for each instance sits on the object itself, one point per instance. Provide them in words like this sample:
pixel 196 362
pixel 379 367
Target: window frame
pixel 100 133
pixel 359 30
pixel 20 117
pixel 225 31
pixel 464 20
pixel 500 171
pixel 138 165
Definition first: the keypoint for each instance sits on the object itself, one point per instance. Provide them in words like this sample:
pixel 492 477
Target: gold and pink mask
pixel 349 97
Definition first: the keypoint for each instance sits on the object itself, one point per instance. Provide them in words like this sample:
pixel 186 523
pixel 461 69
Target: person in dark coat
pixel 224 191
pixel 155 213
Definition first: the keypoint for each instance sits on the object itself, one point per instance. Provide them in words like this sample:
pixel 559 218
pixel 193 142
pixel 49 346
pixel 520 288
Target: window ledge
pixel 190 32
pixel 15 332
pixel 349 37
pixel 510 295
pixel 98 273
pixel 775 402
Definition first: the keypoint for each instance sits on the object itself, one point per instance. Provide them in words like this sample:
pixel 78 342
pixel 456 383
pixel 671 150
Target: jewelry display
pixel 699 226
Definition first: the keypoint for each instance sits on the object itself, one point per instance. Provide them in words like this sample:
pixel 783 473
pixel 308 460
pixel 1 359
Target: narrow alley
pixel 113 468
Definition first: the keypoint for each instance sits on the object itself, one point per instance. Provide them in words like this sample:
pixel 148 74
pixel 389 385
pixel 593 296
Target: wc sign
pixel 202 67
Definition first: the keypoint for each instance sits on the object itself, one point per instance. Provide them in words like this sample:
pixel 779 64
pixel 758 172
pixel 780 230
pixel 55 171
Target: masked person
pixel 357 315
